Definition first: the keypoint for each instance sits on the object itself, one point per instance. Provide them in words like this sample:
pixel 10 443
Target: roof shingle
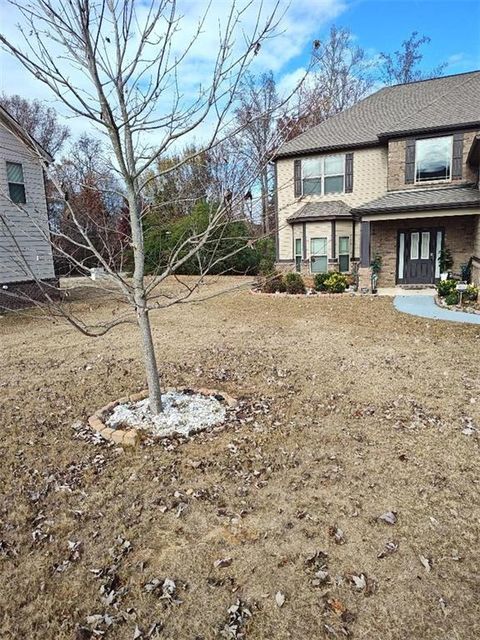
pixel 326 210
pixel 423 199
pixel 440 103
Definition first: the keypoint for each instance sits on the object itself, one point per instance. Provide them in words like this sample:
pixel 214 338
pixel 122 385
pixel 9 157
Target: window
pixel 414 242
pixel 425 247
pixel 318 255
pixel 324 175
pixel 433 159
pixel 344 254
pixel 298 254
pixel 16 185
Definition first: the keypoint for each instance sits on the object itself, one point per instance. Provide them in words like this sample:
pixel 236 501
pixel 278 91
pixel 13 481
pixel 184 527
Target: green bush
pixel 294 283
pixel 266 267
pixel 229 249
pixel 336 283
pixel 451 298
pixel 319 281
pixel 471 293
pixel 445 287
pixel 273 283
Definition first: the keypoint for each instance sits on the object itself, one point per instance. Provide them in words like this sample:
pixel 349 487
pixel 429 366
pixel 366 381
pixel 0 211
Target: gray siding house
pixel 395 176
pixel 26 261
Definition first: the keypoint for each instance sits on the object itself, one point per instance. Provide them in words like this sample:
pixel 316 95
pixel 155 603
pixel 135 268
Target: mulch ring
pixel 130 436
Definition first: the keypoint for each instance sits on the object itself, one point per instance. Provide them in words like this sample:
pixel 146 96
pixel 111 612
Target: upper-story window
pixel 16 184
pixel 323 175
pixel 433 159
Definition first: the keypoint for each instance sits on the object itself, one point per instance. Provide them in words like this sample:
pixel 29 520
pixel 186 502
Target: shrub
pixel 471 293
pixel 336 283
pixel 294 283
pixel 319 281
pixel 266 267
pixel 451 298
pixel 445 260
pixel 445 287
pixel 230 249
pixel 274 283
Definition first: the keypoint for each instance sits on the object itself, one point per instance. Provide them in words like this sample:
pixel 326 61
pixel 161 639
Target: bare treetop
pixel 125 66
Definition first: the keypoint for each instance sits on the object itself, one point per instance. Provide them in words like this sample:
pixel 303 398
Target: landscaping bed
pixel 450 298
pixel 340 500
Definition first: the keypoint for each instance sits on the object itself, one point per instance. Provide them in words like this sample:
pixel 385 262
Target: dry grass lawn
pixel 349 410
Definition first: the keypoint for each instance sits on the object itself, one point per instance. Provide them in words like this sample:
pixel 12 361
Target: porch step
pixel 416 286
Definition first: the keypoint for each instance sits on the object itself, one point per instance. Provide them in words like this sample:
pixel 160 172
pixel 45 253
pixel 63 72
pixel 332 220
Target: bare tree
pixel 403 65
pixel 256 116
pixel 40 121
pixel 130 58
pixel 90 185
pixel 340 76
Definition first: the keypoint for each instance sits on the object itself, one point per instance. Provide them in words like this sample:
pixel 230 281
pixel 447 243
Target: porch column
pixel 365 244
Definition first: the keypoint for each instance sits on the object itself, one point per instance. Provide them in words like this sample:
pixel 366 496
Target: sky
pixel 376 25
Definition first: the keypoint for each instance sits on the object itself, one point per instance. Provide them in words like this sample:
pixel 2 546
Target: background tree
pixel 130 59
pixel 256 115
pixel 340 76
pixel 40 121
pixel 90 186
pixel 403 65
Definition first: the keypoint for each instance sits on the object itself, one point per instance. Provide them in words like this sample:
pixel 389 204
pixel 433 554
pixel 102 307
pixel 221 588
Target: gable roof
pixel 16 128
pixel 440 103
pixel 327 210
pixel 423 199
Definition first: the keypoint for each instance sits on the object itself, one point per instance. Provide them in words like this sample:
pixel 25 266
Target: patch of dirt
pixel 342 502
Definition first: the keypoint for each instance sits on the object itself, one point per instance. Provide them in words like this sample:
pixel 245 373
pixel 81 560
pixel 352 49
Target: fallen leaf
pixel 359 581
pixel 389 549
pixel 222 563
pixel 337 534
pixel 390 517
pixel 427 563
pixel 280 599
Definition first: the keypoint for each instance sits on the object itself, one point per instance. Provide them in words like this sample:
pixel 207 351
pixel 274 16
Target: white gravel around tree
pixel 183 413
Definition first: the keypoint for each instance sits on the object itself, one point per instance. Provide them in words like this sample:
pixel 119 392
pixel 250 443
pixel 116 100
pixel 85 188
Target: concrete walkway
pixel 425 307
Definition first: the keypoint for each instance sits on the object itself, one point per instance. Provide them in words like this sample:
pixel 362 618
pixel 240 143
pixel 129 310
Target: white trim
pixel 438 248
pixel 401 255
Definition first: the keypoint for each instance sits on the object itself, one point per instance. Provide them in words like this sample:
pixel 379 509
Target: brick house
pixel 396 176
pixel 26 262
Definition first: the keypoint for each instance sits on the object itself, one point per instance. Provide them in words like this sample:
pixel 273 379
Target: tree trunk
pixel 151 369
pixel 264 195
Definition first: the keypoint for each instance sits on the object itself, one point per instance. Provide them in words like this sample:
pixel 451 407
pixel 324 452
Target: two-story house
pixel 26 262
pixel 396 176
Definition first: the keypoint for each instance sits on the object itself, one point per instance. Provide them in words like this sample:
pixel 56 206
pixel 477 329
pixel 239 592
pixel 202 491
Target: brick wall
pixel 396 166
pixel 459 237
pixel 369 182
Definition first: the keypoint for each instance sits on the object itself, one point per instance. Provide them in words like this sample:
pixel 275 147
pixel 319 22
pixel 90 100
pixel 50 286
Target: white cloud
pixel 301 22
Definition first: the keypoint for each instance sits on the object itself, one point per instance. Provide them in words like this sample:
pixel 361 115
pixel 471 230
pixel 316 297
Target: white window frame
pixel 322 175
pixel 417 246
pixel 423 235
pixel 298 255
pixel 9 182
pixel 449 179
pixel 319 255
pixel 344 254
